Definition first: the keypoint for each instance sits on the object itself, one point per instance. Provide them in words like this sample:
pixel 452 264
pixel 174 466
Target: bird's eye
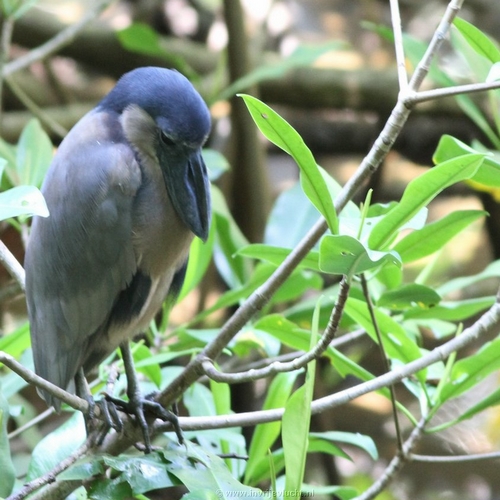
pixel 166 139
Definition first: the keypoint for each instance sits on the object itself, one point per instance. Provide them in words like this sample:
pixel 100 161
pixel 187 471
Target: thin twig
pixel 395 465
pixel 62 39
pixel 32 378
pixel 439 36
pixel 12 265
pixel 429 95
pixel 345 339
pixel 296 363
pixel 398 46
pixel 50 476
pixel 450 459
pixel 385 360
pixel 31 105
pixel 31 423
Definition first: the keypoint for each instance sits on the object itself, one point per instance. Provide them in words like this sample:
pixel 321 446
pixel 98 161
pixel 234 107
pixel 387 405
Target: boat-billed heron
pixel 127 190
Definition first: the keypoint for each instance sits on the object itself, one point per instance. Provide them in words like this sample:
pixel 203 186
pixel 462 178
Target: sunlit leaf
pixel 421 191
pixel 281 133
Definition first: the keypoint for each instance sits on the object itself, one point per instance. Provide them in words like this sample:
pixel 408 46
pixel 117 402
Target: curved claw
pixel 138 407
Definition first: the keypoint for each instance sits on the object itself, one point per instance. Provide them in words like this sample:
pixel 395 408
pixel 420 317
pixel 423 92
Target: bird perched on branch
pixel 127 190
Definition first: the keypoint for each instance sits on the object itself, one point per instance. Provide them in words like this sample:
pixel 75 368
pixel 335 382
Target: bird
pixel 127 191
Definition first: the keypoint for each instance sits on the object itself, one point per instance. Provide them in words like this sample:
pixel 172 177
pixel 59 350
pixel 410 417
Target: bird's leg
pixel 138 405
pixel 111 417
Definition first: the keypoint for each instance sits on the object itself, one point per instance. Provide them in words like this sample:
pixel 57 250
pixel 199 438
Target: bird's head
pixel 171 122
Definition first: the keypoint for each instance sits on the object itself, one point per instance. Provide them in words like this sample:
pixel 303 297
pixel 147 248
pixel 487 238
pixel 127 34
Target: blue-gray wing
pixel 81 257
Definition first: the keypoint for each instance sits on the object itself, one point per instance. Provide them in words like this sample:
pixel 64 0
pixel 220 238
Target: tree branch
pixel 53 45
pixel 12 265
pixel 295 364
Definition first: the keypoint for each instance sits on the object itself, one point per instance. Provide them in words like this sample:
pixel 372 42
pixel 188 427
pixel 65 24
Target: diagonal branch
pixel 63 38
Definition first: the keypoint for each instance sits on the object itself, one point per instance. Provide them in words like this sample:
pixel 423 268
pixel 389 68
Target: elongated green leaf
pixel 468 372
pixel 142 353
pixel 142 39
pixel 22 200
pixel 421 191
pixel 281 133
pixel 397 344
pixel 57 446
pixel 452 311
pixel 216 163
pixel 276 255
pixel 435 235
pixel 200 256
pixel 234 269
pixel 17 342
pixel 34 154
pixel 488 173
pixel 481 43
pixel 296 422
pixel 492 399
pixel 361 441
pixel 346 255
pixel 283 230
pixel 266 434
pixel 409 295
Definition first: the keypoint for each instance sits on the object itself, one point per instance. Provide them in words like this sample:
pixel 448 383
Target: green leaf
pixel 33 155
pixel 82 469
pixel 105 489
pixel 16 342
pixel 397 344
pixel 488 173
pixel 283 230
pixel 338 492
pixel 143 473
pixel 199 401
pixel 200 256
pixel 216 163
pixel 291 335
pixel 142 39
pixel 468 372
pixel 296 422
pixel 481 43
pixel 7 471
pixel 57 446
pixel 22 200
pixel 276 255
pixel 452 311
pixel 16 8
pixel 265 435
pixel 434 236
pixel 141 355
pixel 234 269
pixel 346 255
pixel 409 295
pixel 361 441
pixel 420 192
pixel 283 135
pixel 200 470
